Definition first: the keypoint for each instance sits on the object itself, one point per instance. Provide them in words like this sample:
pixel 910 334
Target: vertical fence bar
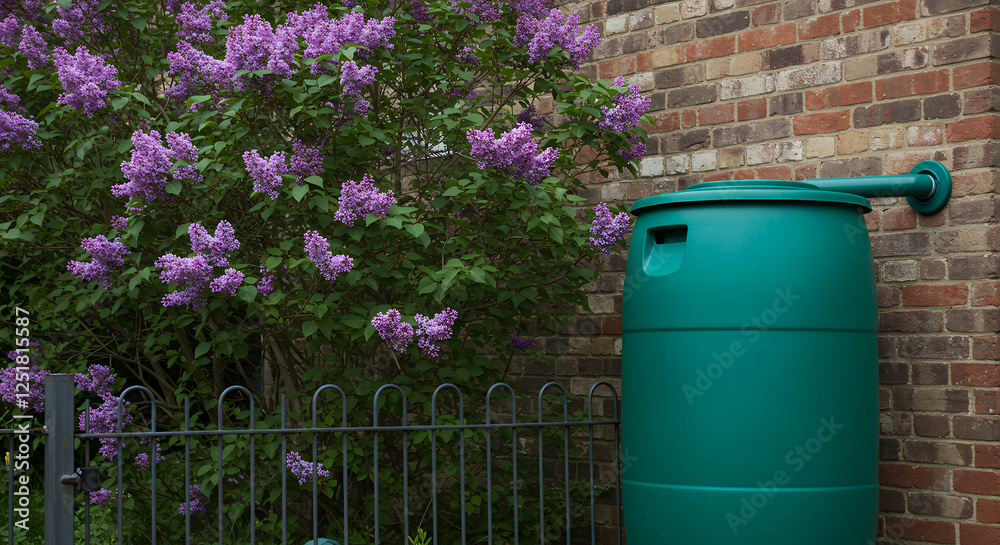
pixel 253 484
pixel 153 446
pixel 86 463
pixel 59 390
pixel 284 474
pixel 402 394
pixel 489 460
pixel 187 471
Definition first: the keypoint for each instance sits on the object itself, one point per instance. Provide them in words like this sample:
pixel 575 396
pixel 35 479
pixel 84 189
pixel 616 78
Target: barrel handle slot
pixel 664 249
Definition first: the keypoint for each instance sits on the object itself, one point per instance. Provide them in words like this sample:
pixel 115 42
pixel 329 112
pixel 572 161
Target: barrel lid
pixel 750 190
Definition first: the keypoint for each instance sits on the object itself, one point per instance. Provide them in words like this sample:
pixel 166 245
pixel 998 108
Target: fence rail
pixel 383 474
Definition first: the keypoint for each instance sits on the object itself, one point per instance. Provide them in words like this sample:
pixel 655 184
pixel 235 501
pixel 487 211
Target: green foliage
pixel 509 257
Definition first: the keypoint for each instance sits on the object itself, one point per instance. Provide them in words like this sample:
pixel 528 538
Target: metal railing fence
pixel 382 484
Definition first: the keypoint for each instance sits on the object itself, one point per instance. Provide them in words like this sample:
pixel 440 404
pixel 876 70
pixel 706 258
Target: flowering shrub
pixel 375 173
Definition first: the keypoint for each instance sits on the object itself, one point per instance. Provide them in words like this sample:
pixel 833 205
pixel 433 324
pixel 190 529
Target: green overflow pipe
pixel 927 187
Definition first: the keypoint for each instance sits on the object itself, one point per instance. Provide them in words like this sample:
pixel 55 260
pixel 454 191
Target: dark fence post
pixel 59 390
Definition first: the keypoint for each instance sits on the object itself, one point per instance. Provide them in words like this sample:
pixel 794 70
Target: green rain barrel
pixel 749 368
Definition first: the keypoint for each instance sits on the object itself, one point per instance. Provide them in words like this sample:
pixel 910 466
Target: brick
pixel 744 87
pixel 934 347
pixel 667 14
pixel 887 296
pixel 986 293
pixel 901 61
pixel 850 20
pixel 774 152
pixel 809 76
pixel 888 449
pixel 964 49
pixel 783 57
pixel 841 95
pixel 641 20
pixel 976 239
pixel 903 162
pixel 987 510
pixel 976 75
pixel 973 183
pixel 780 172
pixel 941 505
pixel 622 66
pixel 797 9
pixel 786 104
pixel 614 7
pixel 658 58
pixel 937 7
pixel 923 83
pixel 987 456
pixel 893 373
pixel 927 295
pixel 889 13
pixel 736 65
pixel 888 137
pixel 984 19
pixel 942 106
pixel 978 534
pixel 910 476
pixel 934 220
pixel 938 400
pixel 823 122
pixel 932 269
pixel 929 134
pixel 985 348
pixel 974 267
pixel 931 425
pixel 977 482
pixel 682 141
pixel 707 49
pixel 816 27
pixel 633 43
pixel 689 118
pixel 852 142
pixel 751 132
pixel 920 530
pixel 976 156
pixel 974 128
pixel 691 96
pixel 902 111
pixel 704 161
pixel 895 423
pixel 987 401
pixel 677 164
pixel 767 37
pixel 677 77
pixel 854 44
pixel 911 321
pixel 713 115
pixel 731 158
pixel 980 428
pixel 765 15
pixel 893 501
pixel 975 374
pixel 864 166
pixel 693 8
pixel 755 108
pixel 672 34
pixel 668 121
pixel 981 100
pixel 722 24
pixel 930 373
pixel 820 146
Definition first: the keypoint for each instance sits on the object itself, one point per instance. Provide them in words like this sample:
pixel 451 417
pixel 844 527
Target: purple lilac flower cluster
pixel 78 17
pixel 86 79
pixel 393 329
pixel 196 272
pixel 17 129
pixel 10 31
pixel 306 160
pixel 629 107
pixel 325 36
pixel 487 11
pixel 196 20
pixel 542 35
pixel 522 343
pixel 419 11
pixel 303 469
pixel 608 230
pixel 196 505
pixel 101 497
pixel 514 150
pixel 147 168
pixel 634 148
pixel 328 264
pixel 430 331
pixel 353 81
pixel 255 45
pixel 119 222
pixel 34 48
pixel 100 381
pixel 358 199
pixel 266 172
pixel 530 117
pixel 265 286
pixel 142 459
pixel 107 256
pixel 195 71
pixel 35 379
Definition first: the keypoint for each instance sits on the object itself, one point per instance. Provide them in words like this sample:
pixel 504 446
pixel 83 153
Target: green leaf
pixel 202 349
pixel 138 23
pixel 299 191
pixel 247 293
pixel 309 327
pixel 415 229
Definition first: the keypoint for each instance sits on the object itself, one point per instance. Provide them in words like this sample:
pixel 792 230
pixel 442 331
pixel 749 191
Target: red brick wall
pixel 794 89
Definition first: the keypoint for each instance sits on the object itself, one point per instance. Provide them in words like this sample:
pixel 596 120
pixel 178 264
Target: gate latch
pixel 89 478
